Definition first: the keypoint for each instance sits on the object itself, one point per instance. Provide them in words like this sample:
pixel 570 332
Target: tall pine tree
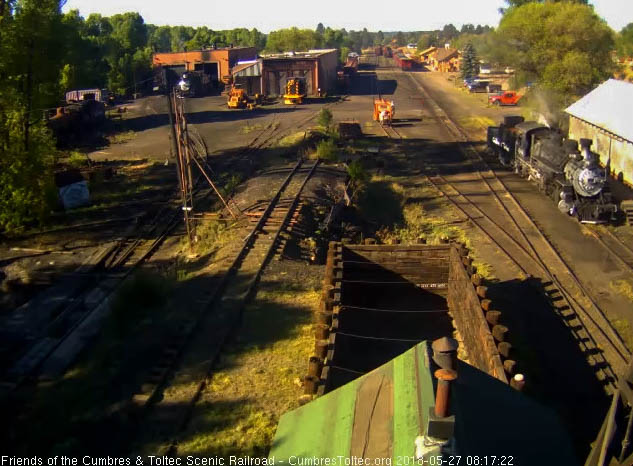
pixel 470 64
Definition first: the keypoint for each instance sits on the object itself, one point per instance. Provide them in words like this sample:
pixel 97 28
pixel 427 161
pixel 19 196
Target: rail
pixel 596 326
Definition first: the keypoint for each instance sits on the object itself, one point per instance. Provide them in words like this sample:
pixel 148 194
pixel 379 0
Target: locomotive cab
pixel 525 132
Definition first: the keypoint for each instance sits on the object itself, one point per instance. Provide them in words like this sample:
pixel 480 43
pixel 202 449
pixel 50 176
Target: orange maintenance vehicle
pixel 384 111
pixel 504 98
pixel 295 91
pixel 237 97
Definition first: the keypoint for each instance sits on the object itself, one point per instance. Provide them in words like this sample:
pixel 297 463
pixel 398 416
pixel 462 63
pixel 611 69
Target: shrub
pixel 27 191
pixel 326 150
pixel 325 118
pixel 77 159
pixel 356 172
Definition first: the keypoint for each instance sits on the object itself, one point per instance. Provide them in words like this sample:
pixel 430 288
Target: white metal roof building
pixel 605 115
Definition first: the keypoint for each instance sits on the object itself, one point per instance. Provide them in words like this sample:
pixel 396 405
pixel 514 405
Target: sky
pixel 396 15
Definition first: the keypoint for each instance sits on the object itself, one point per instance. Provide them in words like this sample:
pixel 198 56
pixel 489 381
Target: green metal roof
pixel 380 415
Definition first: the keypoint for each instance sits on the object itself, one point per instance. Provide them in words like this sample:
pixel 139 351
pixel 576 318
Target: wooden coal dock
pixel 379 301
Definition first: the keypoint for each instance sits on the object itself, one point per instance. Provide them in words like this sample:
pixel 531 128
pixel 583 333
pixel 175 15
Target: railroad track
pixel 618 249
pixel 273 132
pixel 222 313
pixel 54 347
pixel 66 315
pixel 523 242
pixel 391 132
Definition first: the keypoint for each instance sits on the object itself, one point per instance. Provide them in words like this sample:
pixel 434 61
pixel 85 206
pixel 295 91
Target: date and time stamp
pixel 426 460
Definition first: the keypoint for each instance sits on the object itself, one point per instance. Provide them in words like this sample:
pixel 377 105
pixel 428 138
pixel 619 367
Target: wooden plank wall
pixel 470 322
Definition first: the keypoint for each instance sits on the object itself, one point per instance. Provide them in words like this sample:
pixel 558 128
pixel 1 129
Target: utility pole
pixel 175 150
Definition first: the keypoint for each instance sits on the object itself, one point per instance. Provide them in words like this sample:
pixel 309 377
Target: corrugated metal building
pixel 604 116
pixel 249 75
pixel 216 63
pixel 317 67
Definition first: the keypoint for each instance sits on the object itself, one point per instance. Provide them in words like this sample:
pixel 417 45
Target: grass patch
pixel 327 150
pixel 246 129
pixel 122 137
pixel 484 269
pixel 231 183
pixel 78 160
pixel 104 196
pixel 624 330
pixel 141 293
pixel 476 122
pixel 258 378
pixel 293 139
pixel 380 202
pixel 623 288
pixel 419 224
pixel 212 235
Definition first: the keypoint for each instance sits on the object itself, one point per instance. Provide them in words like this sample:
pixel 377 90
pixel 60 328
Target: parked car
pixel 494 88
pixel 504 98
pixel 478 86
pixel 509 70
pixel 485 69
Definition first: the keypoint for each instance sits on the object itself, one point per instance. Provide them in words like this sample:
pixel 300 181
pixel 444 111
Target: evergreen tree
pixel 470 64
pixel 380 38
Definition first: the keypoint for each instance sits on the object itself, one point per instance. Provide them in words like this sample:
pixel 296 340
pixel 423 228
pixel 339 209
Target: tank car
pixel 571 177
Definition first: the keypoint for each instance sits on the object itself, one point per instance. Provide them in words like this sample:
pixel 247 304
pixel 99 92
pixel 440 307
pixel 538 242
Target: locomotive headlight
pixel 184 85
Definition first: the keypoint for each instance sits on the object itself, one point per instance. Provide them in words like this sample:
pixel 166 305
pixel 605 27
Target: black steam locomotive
pixel 571 177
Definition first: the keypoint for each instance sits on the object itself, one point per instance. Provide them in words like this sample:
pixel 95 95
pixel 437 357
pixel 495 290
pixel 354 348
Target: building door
pixel 209 69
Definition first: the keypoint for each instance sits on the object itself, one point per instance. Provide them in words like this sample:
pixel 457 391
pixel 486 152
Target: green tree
pixel 425 41
pixel 344 53
pixel 84 65
pixel 565 46
pixel 517 3
pixel 400 39
pixel 293 39
pixel 159 38
pixel 449 32
pixel 129 31
pixel 325 118
pixel 470 63
pixel 320 29
pixel 31 52
pixel 180 35
pixel 333 38
pixel 624 41
pixel 26 181
pixel 380 38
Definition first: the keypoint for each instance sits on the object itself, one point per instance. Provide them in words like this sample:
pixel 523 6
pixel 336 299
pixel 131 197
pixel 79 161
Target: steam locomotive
pixel 571 177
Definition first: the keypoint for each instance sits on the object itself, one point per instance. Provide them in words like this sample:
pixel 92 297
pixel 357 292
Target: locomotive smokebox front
pixel 585 174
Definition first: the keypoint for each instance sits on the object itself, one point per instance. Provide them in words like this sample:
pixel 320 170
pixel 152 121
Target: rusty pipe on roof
pixel 444 379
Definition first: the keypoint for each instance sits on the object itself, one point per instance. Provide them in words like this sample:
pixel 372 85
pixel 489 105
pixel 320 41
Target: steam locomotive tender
pixel 571 177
